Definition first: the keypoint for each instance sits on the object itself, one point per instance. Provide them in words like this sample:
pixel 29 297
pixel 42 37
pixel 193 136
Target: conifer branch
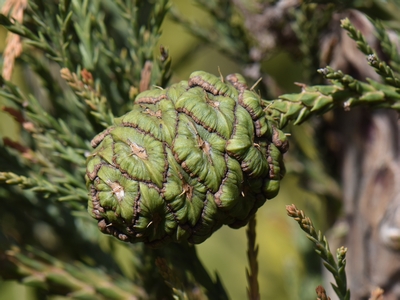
pixel 63 188
pixel 253 289
pixel 321 293
pixel 22 181
pixel 357 36
pixel 85 88
pixel 13 47
pixel 115 41
pixel 198 284
pixel 171 279
pixel 322 248
pixel 75 280
pixel 40 119
pixel 381 67
pixel 310 20
pixel 388 47
pixel 345 92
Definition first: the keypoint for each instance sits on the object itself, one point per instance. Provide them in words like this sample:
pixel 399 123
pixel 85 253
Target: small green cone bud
pixel 185 161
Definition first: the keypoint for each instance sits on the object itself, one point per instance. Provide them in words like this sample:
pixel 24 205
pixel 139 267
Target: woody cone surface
pixel 185 161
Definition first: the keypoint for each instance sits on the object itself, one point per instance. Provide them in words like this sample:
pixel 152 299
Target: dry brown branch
pixel 145 76
pixel 377 294
pixel 321 293
pixel 13 49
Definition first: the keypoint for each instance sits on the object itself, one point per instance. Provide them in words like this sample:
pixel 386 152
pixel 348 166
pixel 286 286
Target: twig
pixel 171 279
pixel 321 293
pixel 322 248
pixel 13 47
pixel 253 289
pixel 145 76
pixel 377 294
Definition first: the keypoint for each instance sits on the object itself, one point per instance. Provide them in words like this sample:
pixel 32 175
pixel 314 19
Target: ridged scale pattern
pixel 185 161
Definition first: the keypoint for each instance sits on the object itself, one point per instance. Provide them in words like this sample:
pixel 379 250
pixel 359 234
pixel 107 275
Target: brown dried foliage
pixel 13 49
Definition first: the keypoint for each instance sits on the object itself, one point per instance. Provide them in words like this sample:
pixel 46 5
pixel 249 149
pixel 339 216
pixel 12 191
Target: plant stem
pixel 253 289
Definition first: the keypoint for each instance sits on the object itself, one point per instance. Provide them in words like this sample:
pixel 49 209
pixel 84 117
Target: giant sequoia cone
pixel 185 161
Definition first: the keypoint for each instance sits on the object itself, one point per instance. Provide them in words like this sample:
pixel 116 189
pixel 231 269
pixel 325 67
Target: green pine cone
pixel 185 161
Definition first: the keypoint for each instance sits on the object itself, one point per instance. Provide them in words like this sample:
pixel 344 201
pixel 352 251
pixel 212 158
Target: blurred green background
pixel 288 269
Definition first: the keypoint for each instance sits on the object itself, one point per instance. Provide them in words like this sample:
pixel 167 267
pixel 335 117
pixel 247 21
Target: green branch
pixel 322 248
pixel 253 289
pixel 85 88
pixel 63 188
pixel 75 280
pixel 345 92
pixel 381 67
